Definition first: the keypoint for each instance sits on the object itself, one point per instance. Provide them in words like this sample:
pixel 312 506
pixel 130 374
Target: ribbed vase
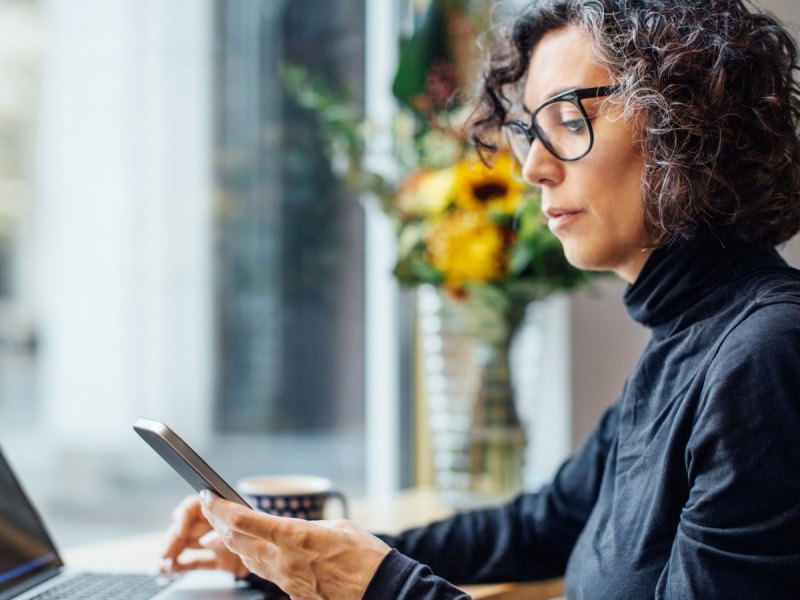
pixel 477 439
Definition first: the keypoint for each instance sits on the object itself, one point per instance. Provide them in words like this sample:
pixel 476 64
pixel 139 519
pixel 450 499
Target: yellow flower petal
pixel 427 192
pixel 467 248
pixel 491 189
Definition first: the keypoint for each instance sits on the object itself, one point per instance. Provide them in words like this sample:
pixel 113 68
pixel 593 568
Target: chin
pixel 584 260
pixel 577 258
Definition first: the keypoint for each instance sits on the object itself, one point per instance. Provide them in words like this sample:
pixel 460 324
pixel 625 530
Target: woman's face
pixel 593 205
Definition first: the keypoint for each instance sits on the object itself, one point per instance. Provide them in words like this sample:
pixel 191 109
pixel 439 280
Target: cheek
pixel 630 198
pixel 617 181
pixel 615 152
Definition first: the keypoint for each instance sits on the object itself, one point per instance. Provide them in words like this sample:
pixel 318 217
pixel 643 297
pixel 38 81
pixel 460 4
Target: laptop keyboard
pixel 106 586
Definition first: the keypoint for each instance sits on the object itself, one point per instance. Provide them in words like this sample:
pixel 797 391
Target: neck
pixel 633 267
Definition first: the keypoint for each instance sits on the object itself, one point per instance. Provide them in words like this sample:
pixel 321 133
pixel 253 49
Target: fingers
pixel 190 529
pixel 191 565
pixel 247 533
pixel 184 506
pixel 328 559
pixel 212 542
pixel 226 515
pixel 188 525
pixel 226 560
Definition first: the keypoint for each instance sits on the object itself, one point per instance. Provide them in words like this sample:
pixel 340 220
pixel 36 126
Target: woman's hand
pixel 191 530
pixel 309 560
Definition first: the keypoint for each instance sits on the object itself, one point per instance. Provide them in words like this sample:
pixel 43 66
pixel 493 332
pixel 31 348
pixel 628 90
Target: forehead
pixel 563 59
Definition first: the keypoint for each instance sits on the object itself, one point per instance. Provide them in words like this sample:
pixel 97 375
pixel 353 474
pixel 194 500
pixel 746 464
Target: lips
pixel 560 217
pixel 555 213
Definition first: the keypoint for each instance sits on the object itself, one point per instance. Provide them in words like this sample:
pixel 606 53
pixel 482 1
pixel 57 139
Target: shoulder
pixel 768 329
pixel 754 374
pixel 762 309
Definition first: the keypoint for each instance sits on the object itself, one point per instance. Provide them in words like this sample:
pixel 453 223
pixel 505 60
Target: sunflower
pixel 491 189
pixel 467 247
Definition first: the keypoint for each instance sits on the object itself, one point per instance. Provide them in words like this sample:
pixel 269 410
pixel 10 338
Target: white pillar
pixel 382 356
pixel 124 217
pixel 541 359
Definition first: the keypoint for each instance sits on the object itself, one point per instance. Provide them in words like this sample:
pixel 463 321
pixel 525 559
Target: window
pixel 184 253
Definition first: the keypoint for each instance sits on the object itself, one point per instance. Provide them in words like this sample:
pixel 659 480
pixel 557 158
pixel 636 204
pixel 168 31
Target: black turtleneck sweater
pixel 689 487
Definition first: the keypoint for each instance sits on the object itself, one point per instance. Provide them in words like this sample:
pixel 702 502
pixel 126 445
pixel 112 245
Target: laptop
pixel 31 568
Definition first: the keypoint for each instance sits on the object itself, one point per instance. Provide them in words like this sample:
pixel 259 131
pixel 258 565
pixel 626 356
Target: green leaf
pixel 419 52
pixel 521 257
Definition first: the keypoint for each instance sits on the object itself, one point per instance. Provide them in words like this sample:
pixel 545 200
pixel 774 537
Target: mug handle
pixel 337 495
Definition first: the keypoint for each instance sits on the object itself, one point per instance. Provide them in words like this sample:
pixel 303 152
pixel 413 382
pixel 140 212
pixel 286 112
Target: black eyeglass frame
pixel 532 131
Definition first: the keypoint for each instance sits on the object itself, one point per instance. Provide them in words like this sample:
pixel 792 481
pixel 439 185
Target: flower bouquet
pixel 470 235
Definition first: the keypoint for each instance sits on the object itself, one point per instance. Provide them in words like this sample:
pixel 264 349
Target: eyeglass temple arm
pixel 603 90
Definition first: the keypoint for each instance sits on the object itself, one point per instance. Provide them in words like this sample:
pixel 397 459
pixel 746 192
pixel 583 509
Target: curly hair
pixel 710 85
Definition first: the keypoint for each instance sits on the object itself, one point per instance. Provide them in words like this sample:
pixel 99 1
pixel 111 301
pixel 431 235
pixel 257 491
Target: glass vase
pixel 477 439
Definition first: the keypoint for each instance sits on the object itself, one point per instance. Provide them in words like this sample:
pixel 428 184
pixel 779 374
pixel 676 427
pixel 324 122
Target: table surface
pixel 408 509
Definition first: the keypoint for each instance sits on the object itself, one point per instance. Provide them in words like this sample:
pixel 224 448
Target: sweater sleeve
pixel 402 577
pixel 739 531
pixel 528 539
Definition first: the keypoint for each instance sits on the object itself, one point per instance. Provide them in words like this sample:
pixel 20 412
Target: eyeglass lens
pixel 564 127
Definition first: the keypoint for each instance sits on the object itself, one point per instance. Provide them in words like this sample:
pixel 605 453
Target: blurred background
pixel 174 244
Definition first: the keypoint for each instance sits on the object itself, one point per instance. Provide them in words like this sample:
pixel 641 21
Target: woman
pixel 663 135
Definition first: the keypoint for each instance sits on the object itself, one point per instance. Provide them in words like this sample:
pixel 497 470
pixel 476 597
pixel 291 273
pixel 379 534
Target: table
pixel 407 509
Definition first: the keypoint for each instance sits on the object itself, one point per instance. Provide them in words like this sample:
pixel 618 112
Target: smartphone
pixel 180 456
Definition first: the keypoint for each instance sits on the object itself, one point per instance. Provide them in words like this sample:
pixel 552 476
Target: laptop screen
pixel 25 547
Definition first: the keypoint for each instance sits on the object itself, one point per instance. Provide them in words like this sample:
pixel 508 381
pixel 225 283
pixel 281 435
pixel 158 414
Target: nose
pixel 541 167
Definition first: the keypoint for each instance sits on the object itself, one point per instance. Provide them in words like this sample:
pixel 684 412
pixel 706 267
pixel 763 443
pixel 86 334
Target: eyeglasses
pixel 560 123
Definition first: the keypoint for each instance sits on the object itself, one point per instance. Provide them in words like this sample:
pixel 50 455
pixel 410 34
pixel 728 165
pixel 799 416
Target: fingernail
pixel 205 497
pixel 204 540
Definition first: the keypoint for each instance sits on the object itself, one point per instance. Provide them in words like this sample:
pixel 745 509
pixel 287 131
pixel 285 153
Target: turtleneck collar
pixel 681 274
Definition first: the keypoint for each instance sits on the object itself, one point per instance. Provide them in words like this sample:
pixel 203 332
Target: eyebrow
pixel 552 94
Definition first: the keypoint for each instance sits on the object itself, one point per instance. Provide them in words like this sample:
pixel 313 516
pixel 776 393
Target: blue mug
pixel 296 496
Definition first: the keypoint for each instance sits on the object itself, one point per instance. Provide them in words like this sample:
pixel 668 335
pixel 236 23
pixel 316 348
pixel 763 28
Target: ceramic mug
pixel 297 496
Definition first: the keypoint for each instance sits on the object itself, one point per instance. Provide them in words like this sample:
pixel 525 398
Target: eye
pixel 574 125
pixel 572 121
